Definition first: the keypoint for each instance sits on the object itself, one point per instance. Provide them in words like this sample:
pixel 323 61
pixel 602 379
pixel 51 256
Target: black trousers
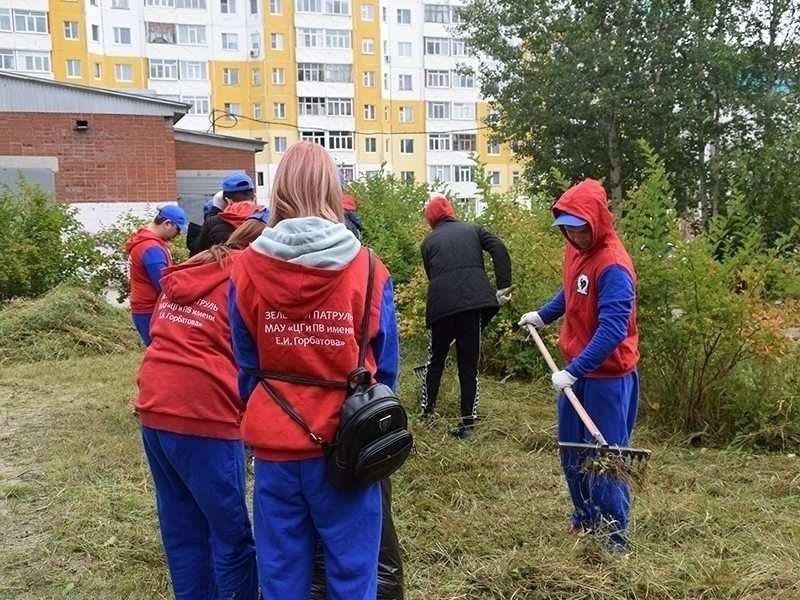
pixel 465 329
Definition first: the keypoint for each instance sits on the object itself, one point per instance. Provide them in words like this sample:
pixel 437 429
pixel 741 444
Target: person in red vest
pixel 599 342
pixel 149 255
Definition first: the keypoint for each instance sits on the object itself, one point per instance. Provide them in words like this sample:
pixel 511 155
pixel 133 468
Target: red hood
pixel 588 201
pixel 142 235
pixel 187 283
pixel 236 213
pixel 439 209
pixel 348 202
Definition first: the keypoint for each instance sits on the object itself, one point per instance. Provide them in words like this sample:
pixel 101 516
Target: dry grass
pixel 481 519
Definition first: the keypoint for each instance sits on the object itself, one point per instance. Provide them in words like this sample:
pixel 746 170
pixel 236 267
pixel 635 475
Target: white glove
pixel 531 318
pixel 503 296
pixel 563 379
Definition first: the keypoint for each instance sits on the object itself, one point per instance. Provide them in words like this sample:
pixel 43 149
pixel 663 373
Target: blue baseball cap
pixel 174 214
pixel 568 220
pixel 237 182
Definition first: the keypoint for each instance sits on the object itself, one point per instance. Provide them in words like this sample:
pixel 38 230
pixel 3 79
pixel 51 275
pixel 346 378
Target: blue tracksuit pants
pixel 142 323
pixel 200 496
pixel 293 507
pixel 600 502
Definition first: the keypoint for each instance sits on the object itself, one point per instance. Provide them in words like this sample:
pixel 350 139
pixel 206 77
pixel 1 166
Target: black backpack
pixel 372 441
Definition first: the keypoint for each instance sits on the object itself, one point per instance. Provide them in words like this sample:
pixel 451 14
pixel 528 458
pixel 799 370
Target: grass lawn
pixel 481 519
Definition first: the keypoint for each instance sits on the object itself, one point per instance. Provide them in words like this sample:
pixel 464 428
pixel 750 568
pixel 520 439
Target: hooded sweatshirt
pixel 236 213
pixel 599 337
pixel 296 301
pixel 148 256
pixel 187 381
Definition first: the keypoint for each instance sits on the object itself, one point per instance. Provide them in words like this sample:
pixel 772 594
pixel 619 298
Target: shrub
pixel 43 243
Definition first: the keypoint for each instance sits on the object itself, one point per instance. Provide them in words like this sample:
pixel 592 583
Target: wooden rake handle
pixel 573 399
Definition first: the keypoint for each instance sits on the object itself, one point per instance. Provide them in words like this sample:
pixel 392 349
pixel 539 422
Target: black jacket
pixel 214 231
pixel 453 258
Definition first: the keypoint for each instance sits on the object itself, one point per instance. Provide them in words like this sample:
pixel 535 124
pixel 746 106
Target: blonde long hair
pixel 306 185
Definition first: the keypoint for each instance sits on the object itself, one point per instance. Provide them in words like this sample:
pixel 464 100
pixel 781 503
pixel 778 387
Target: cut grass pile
pixel 67 322
pixel 480 519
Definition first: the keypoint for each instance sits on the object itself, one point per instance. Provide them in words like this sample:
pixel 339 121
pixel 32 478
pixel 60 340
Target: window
pixel 278 76
pixel 73 68
pixel 437 79
pixel 161 33
pixel 123 72
pixel 98 71
pixel 340 140
pixel 93 2
pixel 192 34
pixel 458 48
pixel 386 115
pixel 7 59
pixel 463 174
pixel 337 73
pixel 38 62
pixel 230 76
pixel 438 110
pixel 348 172
pixel 514 177
pixel 162 3
pixel 310 72
pixel 279 110
pixel 255 42
pixel 455 14
pixel 461 80
pixel 407 176
pixel 493 148
pixel 437 13
pixel 367 12
pixel 337 38
pixel 230 41
pixel 5 24
pixel 438 142
pixel 193 70
pixel 464 142
pixel 368 46
pixel 494 178
pixel 260 178
pixel 279 144
pixel 191 4
pixel 370 145
pixel 404 83
pixel 369 112
pixel 276 41
pixel 95 33
pixel 463 110
pixel 406 146
pixel 232 110
pixel 163 69
pixel 340 107
pixel 255 76
pixel 318 137
pixel 199 104
pixel 383 13
pixel 309 38
pixel 122 36
pixel 119 4
pixel 312 106
pixel 337 7
pixel 312 6
pixel 369 78
pixel 253 7
pixel 404 16
pixel 70 30
pixel 440 172
pixel 30 21
pixel 404 49
pixel 227 7
pixel 386 81
pixel 257 111
pixel 276 8
pixel 437 46
pixel 406 114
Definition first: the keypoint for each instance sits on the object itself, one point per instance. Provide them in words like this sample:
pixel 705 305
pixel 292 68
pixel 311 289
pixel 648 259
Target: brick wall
pixel 118 158
pixel 202 157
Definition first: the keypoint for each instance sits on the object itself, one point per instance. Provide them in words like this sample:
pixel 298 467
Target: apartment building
pixel 379 83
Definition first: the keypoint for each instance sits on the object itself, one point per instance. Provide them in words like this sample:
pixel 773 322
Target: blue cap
pixel 238 182
pixel 207 207
pixel 568 220
pixel 261 215
pixel 174 214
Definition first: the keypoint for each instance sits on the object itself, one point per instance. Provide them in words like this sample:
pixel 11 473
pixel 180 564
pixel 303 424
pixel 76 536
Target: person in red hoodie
pixel 296 306
pixel 149 255
pixel 599 341
pixel 190 414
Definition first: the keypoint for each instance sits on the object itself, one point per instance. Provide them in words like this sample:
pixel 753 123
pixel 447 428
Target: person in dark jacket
pixel 461 302
pixel 213 207
pixel 220 224
pixel 352 220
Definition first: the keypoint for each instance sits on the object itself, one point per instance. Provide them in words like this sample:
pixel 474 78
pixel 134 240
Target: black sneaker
pixel 428 419
pixel 462 432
